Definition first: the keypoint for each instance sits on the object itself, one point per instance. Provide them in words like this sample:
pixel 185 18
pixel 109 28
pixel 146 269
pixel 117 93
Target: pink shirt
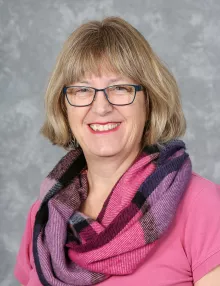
pixel 187 252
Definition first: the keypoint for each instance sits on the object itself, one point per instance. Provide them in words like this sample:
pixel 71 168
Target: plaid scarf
pixel 72 249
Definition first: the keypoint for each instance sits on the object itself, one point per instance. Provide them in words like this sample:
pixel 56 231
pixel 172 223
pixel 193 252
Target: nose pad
pixel 101 104
pixel 103 93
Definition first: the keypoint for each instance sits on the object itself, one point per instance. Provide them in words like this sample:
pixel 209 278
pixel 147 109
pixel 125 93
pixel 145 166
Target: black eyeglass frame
pixel 136 88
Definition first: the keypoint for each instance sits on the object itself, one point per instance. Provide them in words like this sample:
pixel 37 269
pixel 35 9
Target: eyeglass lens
pixel 118 94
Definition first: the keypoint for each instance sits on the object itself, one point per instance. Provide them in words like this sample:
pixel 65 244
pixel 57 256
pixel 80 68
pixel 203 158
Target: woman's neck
pixel 104 172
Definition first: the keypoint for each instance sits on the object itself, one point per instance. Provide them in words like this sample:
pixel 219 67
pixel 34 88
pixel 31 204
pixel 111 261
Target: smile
pixel 104 127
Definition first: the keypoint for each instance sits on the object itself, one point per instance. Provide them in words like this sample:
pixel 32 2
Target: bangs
pixel 100 51
pixel 89 62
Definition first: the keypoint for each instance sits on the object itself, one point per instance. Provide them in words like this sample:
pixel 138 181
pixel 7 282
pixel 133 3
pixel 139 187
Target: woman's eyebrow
pixel 83 82
pixel 113 80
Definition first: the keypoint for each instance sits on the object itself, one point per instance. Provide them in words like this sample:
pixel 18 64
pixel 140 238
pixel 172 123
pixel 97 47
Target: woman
pixel 123 206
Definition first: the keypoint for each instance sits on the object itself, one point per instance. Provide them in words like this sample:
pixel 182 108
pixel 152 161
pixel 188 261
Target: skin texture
pixel 108 155
pixel 210 279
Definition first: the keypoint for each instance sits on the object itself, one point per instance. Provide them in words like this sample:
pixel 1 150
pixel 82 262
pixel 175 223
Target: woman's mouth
pixel 104 127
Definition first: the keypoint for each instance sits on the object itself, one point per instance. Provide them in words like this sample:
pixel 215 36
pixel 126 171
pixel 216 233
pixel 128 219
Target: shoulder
pixel 24 261
pixel 201 193
pixel 200 206
pixel 201 225
pixel 33 211
pixel 30 220
pixel 200 183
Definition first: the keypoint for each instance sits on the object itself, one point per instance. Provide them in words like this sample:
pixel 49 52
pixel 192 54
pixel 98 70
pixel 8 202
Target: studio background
pixel 184 33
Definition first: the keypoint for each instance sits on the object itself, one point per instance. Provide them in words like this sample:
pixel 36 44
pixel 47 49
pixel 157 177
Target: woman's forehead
pixel 110 76
pixel 106 78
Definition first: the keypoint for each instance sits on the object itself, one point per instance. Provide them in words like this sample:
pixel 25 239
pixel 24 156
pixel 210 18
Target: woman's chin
pixel 104 151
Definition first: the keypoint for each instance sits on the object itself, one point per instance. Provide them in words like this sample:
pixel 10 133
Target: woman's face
pixel 120 141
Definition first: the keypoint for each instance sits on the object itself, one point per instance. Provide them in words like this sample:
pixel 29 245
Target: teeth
pixel 105 127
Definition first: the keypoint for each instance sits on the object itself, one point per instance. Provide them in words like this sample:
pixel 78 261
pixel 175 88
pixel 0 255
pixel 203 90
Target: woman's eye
pixel 82 90
pixel 120 88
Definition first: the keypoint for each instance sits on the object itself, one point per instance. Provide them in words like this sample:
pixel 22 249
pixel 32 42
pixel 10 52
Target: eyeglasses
pixel 123 94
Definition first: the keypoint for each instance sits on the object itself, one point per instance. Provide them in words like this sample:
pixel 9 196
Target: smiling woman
pixel 123 206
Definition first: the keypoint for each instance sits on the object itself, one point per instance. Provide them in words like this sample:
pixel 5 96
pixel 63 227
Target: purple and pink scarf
pixel 72 249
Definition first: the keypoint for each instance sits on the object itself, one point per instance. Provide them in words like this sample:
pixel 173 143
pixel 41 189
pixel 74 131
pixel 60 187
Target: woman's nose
pixel 100 104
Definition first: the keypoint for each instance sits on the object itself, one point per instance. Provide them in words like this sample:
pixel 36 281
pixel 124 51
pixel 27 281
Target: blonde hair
pixel 115 45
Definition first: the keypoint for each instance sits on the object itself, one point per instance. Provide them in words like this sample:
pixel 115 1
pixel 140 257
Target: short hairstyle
pixel 116 45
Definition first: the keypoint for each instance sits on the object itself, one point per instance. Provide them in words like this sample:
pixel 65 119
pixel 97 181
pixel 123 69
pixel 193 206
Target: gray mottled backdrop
pixel 184 33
